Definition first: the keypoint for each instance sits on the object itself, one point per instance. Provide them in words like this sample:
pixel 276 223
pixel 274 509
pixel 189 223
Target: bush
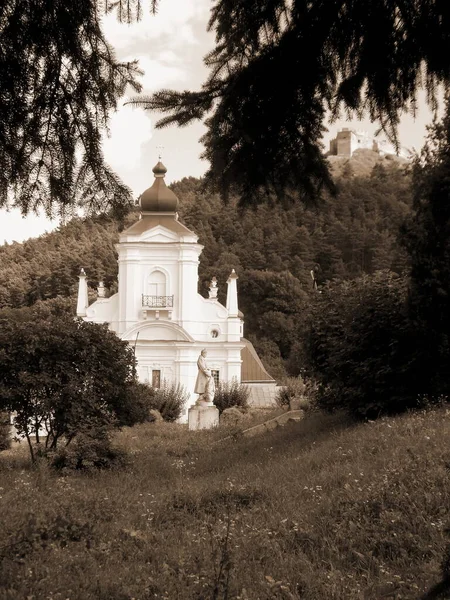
pixel 426 236
pixel 230 394
pixel 63 372
pixel 170 400
pixel 362 348
pixel 135 405
pixel 91 449
pixel 292 387
pixel 5 431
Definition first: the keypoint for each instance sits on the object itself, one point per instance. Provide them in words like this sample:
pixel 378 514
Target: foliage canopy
pixel 59 82
pixel 426 236
pixel 362 347
pixel 63 375
pixel 279 66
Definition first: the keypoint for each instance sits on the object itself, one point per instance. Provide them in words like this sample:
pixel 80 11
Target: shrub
pixel 230 394
pixel 292 387
pixel 311 395
pixel 362 348
pixel 5 431
pixel 170 399
pixel 62 372
pixel 90 449
pixel 135 405
pixel 426 236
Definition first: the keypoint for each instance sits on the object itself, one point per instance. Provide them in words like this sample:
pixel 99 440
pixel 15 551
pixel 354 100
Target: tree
pixel 62 374
pixel 360 344
pixel 59 82
pixel 279 66
pixel 426 236
pixel 271 302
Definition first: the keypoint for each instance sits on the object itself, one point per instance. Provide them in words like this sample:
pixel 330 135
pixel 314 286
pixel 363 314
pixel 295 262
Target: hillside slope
pixel 362 162
pixel 319 509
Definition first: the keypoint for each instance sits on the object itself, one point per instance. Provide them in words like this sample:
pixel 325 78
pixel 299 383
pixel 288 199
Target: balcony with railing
pixel 157 302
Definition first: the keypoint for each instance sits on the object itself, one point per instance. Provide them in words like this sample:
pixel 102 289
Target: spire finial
pixel 213 289
pixel 160 149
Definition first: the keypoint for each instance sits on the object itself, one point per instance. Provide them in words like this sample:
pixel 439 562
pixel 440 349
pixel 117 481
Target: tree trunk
pixel 30 446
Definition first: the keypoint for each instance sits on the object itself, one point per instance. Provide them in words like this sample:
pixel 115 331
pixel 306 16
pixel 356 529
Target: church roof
pixel 252 369
pixel 158 197
pixel 150 221
pixel 158 207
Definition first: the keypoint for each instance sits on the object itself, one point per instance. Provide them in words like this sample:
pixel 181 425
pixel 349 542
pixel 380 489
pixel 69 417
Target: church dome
pixel 158 197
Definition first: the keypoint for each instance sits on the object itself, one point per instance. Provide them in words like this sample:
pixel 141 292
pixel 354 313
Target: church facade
pixel 159 311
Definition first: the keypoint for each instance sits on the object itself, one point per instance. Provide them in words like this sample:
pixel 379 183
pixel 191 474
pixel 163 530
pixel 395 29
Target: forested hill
pixel 272 249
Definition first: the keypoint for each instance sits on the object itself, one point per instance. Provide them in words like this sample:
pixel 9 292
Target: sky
pixel 170 48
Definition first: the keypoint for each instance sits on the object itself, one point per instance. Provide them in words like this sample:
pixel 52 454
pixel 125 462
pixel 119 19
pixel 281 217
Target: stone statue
pixel 203 415
pixel 210 390
pixel 205 385
pixel 213 289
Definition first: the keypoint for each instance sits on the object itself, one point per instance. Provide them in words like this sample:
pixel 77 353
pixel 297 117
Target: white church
pixel 159 311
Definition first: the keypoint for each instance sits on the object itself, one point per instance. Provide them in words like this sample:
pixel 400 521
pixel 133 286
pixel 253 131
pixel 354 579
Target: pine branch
pixel 278 66
pixel 57 90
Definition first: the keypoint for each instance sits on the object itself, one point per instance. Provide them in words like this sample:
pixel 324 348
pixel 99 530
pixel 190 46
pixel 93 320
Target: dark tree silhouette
pixel 279 66
pixel 59 81
pixel 427 239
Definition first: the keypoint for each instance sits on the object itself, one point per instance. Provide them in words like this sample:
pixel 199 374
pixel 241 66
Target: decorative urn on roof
pixel 158 198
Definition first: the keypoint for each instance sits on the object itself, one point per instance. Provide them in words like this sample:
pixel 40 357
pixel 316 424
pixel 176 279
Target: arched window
pixel 157 284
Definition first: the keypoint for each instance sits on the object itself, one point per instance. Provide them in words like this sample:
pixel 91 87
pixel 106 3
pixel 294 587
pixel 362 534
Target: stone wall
pixel 262 395
pixel 348 140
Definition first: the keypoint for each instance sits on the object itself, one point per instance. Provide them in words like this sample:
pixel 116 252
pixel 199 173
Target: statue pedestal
pixel 203 417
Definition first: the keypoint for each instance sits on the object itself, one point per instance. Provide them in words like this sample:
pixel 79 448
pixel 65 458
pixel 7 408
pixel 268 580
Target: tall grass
pixel 320 509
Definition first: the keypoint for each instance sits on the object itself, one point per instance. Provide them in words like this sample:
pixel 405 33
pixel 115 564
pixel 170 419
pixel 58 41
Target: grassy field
pixel 317 510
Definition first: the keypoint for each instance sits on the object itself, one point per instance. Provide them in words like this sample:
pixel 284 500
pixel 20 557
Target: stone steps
pixel 280 421
pixel 291 415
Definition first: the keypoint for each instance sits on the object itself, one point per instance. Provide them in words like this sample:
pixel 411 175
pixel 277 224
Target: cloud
pixel 130 128
pixel 169 49
pixel 170 54
pixel 160 73
pixel 174 22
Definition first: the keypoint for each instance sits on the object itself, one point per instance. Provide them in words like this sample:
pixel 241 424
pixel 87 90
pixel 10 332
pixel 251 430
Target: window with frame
pixel 216 376
pixel 157 284
pixel 156 378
